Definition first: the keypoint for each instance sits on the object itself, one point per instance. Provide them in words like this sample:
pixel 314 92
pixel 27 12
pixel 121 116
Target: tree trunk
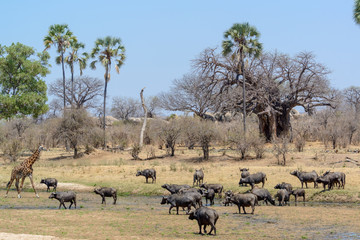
pixel 172 151
pixel 268 125
pixel 63 71
pixel 145 119
pixel 206 152
pixel 72 85
pixel 334 142
pixel 274 124
pixel 284 159
pixel 75 152
pixel 283 123
pixel 104 109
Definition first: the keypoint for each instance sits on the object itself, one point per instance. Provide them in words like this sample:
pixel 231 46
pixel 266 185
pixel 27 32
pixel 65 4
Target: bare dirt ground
pixel 138 215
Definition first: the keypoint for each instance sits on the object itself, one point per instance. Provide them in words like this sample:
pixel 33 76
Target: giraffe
pixel 24 170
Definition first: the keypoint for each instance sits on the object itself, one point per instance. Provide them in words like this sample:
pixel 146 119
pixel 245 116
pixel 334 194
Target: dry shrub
pixel 206 134
pixel 258 145
pixel 12 149
pixel 135 151
pixel 280 149
pixel 189 136
pixel 150 152
pixel 170 133
pixel 95 137
pixel 236 138
pixel 119 136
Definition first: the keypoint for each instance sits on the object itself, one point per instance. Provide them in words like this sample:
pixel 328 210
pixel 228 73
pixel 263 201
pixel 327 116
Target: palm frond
pixel 357 11
pixel 93 64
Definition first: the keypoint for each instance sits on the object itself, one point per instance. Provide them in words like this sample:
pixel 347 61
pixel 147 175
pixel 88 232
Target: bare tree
pixel 170 133
pixel 302 127
pixel 276 83
pixel 189 93
pixel 153 106
pixel 86 91
pixel 125 107
pixel 55 108
pixel 206 135
pixel 352 97
pixel 189 132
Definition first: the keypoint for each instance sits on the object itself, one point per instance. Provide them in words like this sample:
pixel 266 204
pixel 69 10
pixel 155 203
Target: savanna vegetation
pixel 240 106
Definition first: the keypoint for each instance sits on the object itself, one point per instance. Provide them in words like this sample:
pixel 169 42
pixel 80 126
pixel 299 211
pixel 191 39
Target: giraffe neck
pixel 30 161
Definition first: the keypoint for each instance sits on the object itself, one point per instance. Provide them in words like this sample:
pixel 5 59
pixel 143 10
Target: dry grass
pixel 144 218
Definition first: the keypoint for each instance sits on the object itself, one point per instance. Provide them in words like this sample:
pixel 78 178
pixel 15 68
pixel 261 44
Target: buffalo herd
pixel 188 197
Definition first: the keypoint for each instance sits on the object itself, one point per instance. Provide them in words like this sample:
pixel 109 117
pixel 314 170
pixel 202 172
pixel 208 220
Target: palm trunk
pixel 72 85
pixel 63 70
pixel 104 109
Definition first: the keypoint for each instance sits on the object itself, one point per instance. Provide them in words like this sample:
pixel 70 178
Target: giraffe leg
pixel 32 183
pixel 9 185
pixel 21 185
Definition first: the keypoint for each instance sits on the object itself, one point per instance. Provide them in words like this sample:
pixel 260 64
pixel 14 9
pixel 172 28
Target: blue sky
pixel 162 37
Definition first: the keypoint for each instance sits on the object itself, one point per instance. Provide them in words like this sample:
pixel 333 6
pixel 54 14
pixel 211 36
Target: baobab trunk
pixel 274 124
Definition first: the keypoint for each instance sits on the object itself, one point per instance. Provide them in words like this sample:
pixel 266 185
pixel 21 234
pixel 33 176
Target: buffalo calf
pixel 63 197
pixel 106 192
pixel 50 182
pixel 147 173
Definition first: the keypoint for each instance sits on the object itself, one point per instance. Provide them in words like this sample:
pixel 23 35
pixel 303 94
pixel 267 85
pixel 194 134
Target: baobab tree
pixel 276 83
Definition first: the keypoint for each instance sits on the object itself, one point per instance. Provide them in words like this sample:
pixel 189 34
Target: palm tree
pixel 357 11
pixel 60 36
pixel 241 42
pixel 108 50
pixel 72 58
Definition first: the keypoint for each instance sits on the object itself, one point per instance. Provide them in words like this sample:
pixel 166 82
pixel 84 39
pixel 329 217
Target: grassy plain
pixel 139 215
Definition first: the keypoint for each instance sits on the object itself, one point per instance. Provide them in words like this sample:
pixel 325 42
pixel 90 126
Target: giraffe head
pixel 41 148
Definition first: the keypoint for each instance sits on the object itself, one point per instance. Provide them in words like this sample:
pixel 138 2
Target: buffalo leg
pixel 199 228
pixel 212 228
pixel 170 209
pixel 244 209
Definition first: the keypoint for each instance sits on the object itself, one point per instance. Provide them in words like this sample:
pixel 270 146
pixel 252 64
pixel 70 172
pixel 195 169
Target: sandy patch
pixel 66 187
pixel 13 236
